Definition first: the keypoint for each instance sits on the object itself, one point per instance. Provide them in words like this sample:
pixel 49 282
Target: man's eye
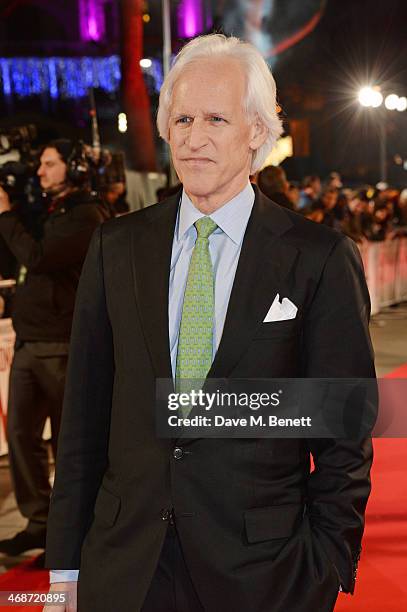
pixel 183 120
pixel 216 119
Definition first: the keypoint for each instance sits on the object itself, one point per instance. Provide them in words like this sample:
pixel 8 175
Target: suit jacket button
pixel 178 453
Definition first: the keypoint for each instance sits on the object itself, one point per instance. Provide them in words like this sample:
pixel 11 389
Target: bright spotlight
pixel 370 96
pixel 145 62
pixel 377 98
pixel 402 104
pixel 391 101
pixel 122 122
pixel 365 96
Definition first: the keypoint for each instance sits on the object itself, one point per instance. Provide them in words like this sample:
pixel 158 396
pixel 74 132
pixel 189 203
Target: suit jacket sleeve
pixel 337 345
pixel 83 442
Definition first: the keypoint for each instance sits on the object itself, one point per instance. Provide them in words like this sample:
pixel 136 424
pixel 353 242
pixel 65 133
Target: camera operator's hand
pixel 4 201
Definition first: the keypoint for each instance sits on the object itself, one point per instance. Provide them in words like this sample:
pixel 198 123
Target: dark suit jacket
pixel 259 533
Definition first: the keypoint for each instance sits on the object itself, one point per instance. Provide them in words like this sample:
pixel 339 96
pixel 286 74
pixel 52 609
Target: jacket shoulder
pixel 136 220
pixel 311 236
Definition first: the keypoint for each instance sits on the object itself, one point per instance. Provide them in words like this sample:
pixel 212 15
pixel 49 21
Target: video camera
pixel 18 164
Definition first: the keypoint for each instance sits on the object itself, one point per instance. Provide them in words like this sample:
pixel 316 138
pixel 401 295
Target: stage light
pixel 146 18
pixel 366 96
pixel 122 122
pixel 369 96
pixel 391 101
pixel 145 62
pixel 401 104
pixel 377 98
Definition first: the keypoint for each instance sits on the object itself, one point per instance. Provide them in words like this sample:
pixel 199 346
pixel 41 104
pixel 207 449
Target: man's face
pixel 52 171
pixel 329 199
pixel 210 136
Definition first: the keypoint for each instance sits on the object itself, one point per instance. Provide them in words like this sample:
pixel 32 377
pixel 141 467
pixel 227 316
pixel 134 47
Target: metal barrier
pixel 386 271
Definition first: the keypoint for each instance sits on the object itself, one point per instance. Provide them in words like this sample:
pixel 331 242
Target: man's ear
pixel 259 134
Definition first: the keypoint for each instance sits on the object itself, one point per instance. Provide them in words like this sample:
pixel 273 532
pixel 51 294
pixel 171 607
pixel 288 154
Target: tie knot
pixel 205 226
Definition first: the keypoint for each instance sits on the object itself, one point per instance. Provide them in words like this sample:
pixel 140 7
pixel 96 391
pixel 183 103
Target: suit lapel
pixel 151 275
pixel 264 262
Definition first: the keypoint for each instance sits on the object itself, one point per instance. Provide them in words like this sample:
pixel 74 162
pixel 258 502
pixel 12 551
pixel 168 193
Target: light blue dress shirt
pixel 225 244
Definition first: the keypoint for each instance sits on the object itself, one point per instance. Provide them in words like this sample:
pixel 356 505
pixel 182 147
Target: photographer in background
pixel 42 310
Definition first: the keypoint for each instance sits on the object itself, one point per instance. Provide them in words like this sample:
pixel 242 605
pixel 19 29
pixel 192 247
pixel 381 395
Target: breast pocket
pixel 278 329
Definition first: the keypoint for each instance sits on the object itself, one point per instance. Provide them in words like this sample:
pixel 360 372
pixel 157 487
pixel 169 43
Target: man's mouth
pixel 197 161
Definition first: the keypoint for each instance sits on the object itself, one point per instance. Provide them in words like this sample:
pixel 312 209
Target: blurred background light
pixel 145 62
pixel 377 98
pixel 391 101
pixel 122 122
pixel 402 104
pixel 365 96
pixel 61 77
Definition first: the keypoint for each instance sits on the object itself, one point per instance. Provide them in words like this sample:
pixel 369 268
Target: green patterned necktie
pixel 195 340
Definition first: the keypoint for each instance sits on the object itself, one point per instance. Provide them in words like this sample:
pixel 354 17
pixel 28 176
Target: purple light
pixel 190 18
pixel 91 19
pixel 93 29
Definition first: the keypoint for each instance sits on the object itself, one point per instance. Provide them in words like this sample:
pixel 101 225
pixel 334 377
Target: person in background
pixel 333 181
pixel 352 223
pixel 42 310
pixel 272 181
pixel 114 190
pixel 381 224
pixel 311 188
pixel 294 194
pixel 115 198
pixel 313 214
pixel 327 202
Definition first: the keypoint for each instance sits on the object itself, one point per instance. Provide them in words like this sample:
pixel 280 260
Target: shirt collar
pixel 232 217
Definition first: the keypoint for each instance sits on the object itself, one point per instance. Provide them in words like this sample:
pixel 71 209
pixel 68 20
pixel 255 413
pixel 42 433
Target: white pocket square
pixel 281 311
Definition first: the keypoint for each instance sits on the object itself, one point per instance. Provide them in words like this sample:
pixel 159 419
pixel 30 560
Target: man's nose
pixel 40 171
pixel 197 136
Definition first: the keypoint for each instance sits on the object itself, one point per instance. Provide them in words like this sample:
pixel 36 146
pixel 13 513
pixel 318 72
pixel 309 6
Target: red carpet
pixel 24 577
pixel 382 577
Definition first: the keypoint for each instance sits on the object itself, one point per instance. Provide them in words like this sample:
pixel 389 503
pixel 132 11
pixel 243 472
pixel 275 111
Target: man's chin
pixel 199 188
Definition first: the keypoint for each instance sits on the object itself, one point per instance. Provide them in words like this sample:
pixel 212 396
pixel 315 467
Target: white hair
pixel 260 99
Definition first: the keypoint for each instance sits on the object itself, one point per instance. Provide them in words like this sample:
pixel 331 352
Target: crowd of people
pixel 365 213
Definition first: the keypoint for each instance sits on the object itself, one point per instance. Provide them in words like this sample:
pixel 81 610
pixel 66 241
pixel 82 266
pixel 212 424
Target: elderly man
pixel 181 290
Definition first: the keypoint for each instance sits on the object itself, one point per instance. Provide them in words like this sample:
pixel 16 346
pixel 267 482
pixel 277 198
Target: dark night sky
pixel 354 37
pixel 357 42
